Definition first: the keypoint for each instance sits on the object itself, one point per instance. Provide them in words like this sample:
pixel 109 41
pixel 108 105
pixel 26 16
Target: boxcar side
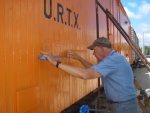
pixel 27 27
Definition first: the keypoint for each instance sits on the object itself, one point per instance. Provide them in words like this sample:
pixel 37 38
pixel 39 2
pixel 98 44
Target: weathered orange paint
pixel 28 85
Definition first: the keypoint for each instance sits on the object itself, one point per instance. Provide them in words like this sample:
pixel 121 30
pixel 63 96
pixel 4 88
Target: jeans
pixel 130 106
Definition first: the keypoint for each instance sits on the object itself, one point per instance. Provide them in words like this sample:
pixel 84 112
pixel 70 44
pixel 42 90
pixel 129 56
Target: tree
pixel 147 50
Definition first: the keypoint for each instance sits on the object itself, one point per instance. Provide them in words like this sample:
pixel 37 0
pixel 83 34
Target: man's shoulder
pixel 118 56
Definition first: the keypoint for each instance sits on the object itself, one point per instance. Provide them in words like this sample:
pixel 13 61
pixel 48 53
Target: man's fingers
pixel 69 54
pixel 44 53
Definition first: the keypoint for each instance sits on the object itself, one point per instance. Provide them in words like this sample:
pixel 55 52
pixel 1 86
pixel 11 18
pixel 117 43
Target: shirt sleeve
pixel 105 67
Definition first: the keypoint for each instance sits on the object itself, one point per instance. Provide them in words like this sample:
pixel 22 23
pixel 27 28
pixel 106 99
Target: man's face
pixel 98 53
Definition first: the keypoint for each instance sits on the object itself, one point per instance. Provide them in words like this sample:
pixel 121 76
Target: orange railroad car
pixel 29 85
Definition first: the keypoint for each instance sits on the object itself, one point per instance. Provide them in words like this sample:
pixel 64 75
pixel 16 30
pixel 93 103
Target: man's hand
pixel 73 55
pixel 49 57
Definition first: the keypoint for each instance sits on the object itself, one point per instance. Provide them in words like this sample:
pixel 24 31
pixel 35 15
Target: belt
pixel 113 102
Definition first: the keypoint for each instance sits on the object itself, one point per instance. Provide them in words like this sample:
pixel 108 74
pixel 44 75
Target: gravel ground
pixel 143 77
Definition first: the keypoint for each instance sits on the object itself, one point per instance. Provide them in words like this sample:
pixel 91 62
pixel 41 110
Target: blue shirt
pixel 117 77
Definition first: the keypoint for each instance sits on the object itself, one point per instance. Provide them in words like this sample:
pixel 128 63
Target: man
pixel 113 68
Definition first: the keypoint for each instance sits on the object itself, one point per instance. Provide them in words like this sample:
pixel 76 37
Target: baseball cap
pixel 101 41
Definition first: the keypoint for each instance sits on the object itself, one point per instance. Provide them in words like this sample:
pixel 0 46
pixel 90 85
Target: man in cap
pixel 113 68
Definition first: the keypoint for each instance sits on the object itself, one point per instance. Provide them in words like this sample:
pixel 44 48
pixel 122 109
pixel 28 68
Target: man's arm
pixel 79 58
pixel 79 72
pixel 75 71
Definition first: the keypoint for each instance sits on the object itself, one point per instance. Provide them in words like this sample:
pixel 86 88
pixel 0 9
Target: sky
pixel 138 12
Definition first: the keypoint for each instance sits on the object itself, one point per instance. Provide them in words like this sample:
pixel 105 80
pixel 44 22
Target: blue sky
pixel 138 12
